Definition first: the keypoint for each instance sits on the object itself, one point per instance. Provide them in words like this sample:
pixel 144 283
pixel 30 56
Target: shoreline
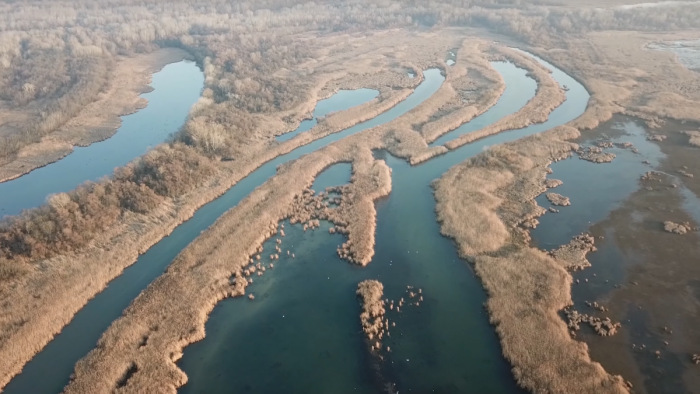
pixel 262 210
pixel 100 119
pixel 120 247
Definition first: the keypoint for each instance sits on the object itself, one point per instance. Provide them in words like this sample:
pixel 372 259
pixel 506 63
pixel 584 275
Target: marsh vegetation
pixel 266 64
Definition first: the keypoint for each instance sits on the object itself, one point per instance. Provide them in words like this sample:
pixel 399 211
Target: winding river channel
pixel 175 89
pixel 306 308
pixel 303 332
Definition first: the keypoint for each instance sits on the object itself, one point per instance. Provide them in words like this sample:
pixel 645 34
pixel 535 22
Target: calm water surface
pixel 49 370
pixel 176 88
pixel 306 308
pixel 340 101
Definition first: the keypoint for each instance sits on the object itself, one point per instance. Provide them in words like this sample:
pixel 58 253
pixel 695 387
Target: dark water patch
pixel 662 370
pixel 50 369
pixel 340 101
pixel 300 334
pixel 595 189
pixel 175 89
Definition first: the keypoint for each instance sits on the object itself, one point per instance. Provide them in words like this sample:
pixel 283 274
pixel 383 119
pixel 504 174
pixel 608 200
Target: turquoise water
pixel 306 309
pixel 446 345
pixel 176 88
pixel 340 101
pixel 50 369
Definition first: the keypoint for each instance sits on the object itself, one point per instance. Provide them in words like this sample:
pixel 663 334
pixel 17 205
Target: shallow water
pixel 340 101
pixel 595 189
pixel 50 369
pixel 688 52
pixel 451 58
pixel 444 345
pixel 620 259
pixel 176 88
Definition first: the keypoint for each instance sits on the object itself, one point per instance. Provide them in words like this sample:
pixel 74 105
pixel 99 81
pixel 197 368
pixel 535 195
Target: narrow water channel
pixel 514 97
pixel 306 308
pixel 340 101
pixel 49 370
pixel 175 89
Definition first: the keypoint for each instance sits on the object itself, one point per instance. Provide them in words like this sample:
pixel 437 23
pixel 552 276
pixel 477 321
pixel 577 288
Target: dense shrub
pixel 71 220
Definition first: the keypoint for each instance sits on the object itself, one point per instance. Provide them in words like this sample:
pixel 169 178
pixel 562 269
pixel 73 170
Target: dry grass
pixel 677 228
pixel 207 265
pixel 572 256
pixel 526 290
pixel 370 293
pixel 483 204
pixel 44 300
pixel 558 199
pixel 469 196
pixel 474 73
pixel 693 138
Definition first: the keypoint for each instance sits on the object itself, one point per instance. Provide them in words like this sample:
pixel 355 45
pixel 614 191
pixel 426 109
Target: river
pixel 446 344
pixel 50 369
pixel 306 308
pixel 175 89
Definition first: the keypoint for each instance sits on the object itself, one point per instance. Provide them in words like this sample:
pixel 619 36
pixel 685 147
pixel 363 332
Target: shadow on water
pixel 176 88
pixel 444 345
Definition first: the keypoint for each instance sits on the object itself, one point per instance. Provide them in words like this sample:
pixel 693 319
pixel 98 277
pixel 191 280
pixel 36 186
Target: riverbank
pixel 526 287
pixel 499 258
pixel 44 300
pixel 210 262
pixel 640 268
pixel 99 120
